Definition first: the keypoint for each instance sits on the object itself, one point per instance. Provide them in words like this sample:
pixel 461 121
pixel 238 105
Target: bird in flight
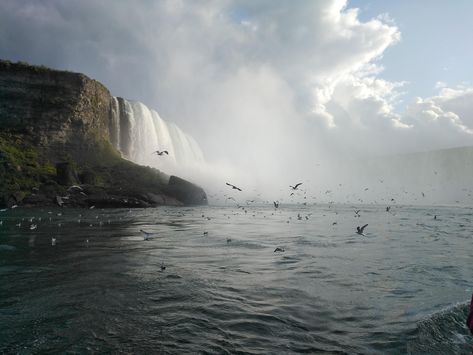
pixel 357 213
pixel 295 186
pixel 159 152
pixel 276 204
pixel 233 186
pixel 360 230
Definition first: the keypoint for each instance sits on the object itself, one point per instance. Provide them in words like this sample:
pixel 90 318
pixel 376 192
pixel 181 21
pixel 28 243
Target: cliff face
pixel 49 117
pixel 60 112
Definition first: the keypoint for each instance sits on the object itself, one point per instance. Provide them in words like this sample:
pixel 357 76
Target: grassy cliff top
pixel 22 65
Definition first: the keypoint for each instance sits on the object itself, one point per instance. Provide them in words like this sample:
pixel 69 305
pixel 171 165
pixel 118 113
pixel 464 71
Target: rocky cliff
pixel 55 132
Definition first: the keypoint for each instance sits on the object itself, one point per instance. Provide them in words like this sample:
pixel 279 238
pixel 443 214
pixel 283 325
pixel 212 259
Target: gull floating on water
pixel 146 235
pixel 278 249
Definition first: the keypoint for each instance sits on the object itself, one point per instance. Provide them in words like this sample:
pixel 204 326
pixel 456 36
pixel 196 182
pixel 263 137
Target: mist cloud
pixel 266 86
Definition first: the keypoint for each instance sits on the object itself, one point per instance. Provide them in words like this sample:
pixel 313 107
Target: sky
pixel 287 83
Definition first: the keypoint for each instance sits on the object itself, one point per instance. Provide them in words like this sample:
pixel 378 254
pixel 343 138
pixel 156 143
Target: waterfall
pixel 137 131
pixel 115 122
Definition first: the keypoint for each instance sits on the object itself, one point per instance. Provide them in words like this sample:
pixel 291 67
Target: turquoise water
pixel 401 288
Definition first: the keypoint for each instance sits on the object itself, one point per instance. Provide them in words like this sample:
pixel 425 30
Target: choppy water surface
pixel 402 288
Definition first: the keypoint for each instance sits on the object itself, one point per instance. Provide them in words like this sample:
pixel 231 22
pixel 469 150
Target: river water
pixel 402 288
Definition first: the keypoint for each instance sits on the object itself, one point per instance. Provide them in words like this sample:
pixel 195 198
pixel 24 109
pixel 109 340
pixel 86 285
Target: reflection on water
pixel 403 288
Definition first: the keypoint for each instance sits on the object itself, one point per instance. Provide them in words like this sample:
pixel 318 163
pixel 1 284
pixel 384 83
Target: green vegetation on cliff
pixel 10 65
pixel 22 168
pixel 55 132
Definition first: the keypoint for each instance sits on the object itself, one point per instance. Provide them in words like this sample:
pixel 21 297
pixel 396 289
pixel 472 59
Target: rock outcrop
pixel 55 130
pixel 185 191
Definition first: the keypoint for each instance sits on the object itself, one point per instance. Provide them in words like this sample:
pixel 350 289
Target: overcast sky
pixel 270 80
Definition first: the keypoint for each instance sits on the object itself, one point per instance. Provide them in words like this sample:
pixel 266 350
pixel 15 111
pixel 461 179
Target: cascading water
pixel 137 131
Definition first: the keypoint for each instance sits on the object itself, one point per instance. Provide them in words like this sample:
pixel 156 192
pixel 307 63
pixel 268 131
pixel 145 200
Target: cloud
pixel 269 86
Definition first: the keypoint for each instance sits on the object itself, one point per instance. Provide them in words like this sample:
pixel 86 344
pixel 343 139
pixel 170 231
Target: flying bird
pixel 233 186
pixel 360 230
pixel 159 152
pixel 295 186
pixel 357 213
pixel 276 204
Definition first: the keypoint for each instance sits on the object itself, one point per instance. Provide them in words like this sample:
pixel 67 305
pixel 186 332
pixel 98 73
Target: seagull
pixel 33 226
pixel 163 267
pixel 158 152
pixel 278 249
pixel 233 186
pixel 357 213
pixel 146 235
pixel 360 230
pixel 388 208
pixel 53 241
pixel 295 186
pixel 276 204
